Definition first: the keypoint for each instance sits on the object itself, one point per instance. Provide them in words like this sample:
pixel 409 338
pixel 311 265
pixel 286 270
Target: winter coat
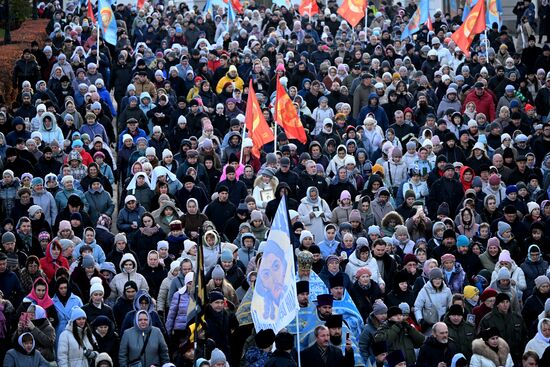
pixel 538 344
pixel 315 225
pixel 126 217
pixel 400 336
pixel 64 311
pixel 18 357
pixel 430 298
pixel 531 270
pixel 162 299
pixel 100 202
pixel 44 338
pixel 46 201
pixel 177 314
pixel 516 273
pixel 433 352
pixel 49 266
pixel 69 352
pixel 98 253
pixel 280 358
pixel 457 280
pixel 340 214
pixel 117 283
pixel 364 297
pixel 355 264
pixel 511 328
pixel 133 339
pixel 533 306
pixel 461 335
pixel 484 356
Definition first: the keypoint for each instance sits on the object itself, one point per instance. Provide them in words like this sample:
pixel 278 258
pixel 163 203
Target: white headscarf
pixel 131 188
pixel 161 171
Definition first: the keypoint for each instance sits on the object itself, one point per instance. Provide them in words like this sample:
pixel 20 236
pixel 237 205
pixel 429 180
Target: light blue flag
pixel 230 14
pixel 274 302
pixel 419 17
pixel 494 13
pixel 107 21
pixel 208 7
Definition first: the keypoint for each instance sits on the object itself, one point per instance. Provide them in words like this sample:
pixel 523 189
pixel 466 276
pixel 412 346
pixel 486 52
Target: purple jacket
pixel 177 314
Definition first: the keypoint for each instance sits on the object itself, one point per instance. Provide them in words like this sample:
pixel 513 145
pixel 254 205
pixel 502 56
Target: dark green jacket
pixel 511 327
pixel 400 336
pixel 461 335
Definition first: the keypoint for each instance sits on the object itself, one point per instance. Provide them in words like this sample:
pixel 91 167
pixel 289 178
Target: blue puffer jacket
pixel 177 314
pixel 64 311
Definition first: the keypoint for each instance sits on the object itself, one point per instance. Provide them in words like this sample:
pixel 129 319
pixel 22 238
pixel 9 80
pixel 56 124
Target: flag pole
pixel 366 17
pixel 98 32
pixel 242 142
pixel 298 338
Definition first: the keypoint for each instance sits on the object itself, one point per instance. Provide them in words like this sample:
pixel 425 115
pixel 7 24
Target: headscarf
pixel 44 302
pixel 161 171
pixel 133 183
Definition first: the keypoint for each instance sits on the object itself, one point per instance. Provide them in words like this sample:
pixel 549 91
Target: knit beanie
pixel 503 274
pixel 505 256
pixel 470 291
pixel 76 313
pixel 487 293
pixel 97 287
pixel 218 272
pixel 541 280
pixel 121 237
pixel 503 227
pixel 436 273
pixel 405 308
pixel 493 241
pixel 501 297
pixel 217 356
pixel 379 307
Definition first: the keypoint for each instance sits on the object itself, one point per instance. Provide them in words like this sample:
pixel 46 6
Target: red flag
pixel 90 14
pixel 308 7
pixel 473 24
pixel 236 4
pixel 353 11
pixel 258 129
pixel 287 116
pixel 140 4
pixel 429 23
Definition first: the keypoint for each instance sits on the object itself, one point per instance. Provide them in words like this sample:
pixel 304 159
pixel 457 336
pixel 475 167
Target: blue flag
pixel 107 21
pixel 274 302
pixel 419 17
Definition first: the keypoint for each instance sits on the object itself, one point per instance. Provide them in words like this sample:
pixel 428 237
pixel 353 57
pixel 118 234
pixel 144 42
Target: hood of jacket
pixel 127 256
pixel 143 294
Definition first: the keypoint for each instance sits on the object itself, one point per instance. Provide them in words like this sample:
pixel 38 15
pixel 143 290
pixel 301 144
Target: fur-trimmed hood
pixel 499 359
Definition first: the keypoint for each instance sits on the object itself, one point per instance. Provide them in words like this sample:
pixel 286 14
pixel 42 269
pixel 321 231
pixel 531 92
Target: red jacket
pixel 484 104
pixel 50 266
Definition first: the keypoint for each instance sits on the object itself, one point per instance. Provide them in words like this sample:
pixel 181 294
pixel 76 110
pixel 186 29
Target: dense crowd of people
pixel 418 204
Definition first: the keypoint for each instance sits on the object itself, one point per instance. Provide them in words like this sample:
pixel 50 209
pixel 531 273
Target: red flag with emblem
pixel 308 7
pixel 258 129
pixel 140 4
pixel 90 14
pixel 429 23
pixel 353 11
pixel 473 24
pixel 287 116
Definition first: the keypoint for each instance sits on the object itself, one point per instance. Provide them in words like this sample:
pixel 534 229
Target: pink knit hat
pixel 505 256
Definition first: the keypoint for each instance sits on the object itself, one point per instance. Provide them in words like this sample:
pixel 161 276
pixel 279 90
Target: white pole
pixel 242 144
pixel 97 44
pixel 366 17
pixel 275 136
pixel 298 338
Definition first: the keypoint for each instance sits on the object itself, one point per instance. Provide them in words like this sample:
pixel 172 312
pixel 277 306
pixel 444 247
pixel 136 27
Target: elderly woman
pixel 144 343
pixel 314 213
